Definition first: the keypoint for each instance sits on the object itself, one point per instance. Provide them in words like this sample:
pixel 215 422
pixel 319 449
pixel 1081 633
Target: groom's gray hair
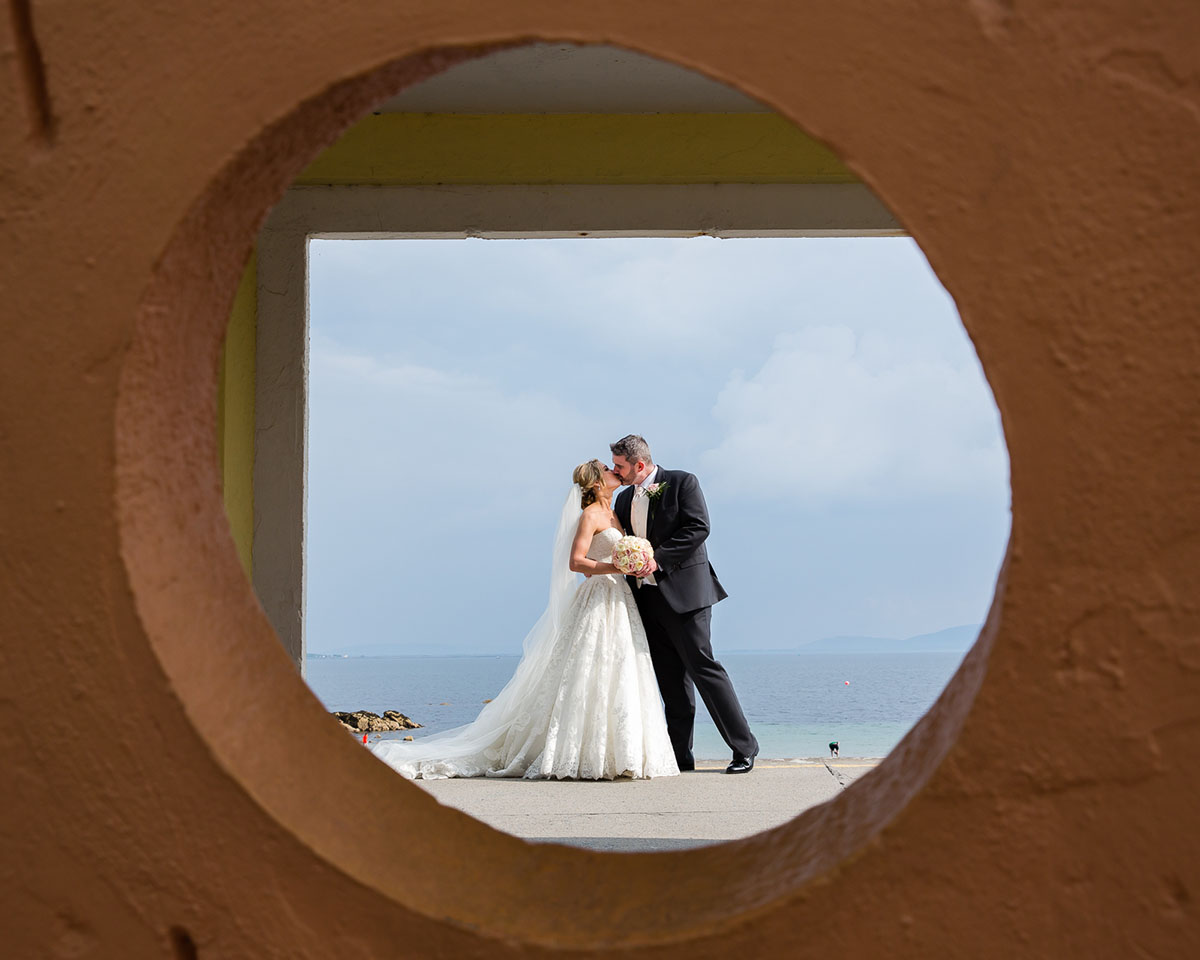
pixel 633 448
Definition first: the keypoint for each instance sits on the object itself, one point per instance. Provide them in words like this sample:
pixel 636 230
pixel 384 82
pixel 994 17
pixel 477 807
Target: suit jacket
pixel 677 526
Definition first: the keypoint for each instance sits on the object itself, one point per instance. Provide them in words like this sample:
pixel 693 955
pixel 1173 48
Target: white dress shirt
pixel 639 514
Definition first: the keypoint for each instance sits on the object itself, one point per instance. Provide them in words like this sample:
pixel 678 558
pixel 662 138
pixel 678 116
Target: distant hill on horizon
pixel 951 640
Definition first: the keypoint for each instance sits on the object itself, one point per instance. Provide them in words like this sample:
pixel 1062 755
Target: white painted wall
pixel 281 390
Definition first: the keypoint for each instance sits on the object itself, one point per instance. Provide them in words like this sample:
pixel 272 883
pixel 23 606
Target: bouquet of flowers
pixel 632 555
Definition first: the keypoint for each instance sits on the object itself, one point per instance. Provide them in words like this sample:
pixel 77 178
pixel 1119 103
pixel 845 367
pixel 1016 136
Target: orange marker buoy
pixel 364 738
pixel 847 683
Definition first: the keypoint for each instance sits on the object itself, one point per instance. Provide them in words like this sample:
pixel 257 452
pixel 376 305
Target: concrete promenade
pixel 693 809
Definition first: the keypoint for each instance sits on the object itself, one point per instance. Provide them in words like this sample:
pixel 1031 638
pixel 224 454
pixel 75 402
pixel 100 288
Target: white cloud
pixel 433 495
pixel 386 426
pixel 835 416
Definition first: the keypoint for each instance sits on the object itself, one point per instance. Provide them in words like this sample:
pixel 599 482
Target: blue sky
pixel 823 390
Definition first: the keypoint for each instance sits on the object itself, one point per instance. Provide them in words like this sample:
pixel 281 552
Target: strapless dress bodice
pixel 603 541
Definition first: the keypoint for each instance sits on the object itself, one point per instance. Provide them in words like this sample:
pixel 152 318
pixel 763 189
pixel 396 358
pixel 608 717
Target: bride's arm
pixel 579 548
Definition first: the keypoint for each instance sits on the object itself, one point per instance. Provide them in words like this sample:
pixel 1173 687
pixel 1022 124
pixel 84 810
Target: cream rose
pixel 632 555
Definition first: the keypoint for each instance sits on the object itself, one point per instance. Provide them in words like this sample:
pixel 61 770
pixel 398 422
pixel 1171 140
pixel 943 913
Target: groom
pixel 675 599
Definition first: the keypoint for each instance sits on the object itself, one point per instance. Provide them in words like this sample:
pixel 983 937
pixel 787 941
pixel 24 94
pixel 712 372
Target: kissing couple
pixel 606 686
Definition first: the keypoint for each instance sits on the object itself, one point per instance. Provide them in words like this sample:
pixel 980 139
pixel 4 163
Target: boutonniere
pixel 655 491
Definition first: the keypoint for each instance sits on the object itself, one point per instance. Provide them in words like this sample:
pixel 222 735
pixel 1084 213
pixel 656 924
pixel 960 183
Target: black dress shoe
pixel 740 765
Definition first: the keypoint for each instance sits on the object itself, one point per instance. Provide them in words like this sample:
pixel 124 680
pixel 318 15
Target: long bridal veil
pixel 465 750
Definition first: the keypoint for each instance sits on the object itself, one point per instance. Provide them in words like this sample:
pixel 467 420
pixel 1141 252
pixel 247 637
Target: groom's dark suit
pixel 677 614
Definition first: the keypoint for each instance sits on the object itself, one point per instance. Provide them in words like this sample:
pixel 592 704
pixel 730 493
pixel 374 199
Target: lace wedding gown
pixel 583 705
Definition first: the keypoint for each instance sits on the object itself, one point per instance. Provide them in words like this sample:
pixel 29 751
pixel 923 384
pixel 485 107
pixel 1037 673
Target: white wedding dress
pixel 582 704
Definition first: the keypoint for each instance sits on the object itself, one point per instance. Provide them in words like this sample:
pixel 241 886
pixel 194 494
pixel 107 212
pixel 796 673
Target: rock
pixel 408 738
pixel 364 721
pixel 402 722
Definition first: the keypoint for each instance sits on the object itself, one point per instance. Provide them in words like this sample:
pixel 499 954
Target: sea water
pixel 796 703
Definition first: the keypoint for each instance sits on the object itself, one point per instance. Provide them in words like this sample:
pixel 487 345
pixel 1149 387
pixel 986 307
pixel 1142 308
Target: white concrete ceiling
pixel 554 78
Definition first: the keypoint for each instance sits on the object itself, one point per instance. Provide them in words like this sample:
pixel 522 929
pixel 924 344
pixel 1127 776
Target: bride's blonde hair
pixel 590 477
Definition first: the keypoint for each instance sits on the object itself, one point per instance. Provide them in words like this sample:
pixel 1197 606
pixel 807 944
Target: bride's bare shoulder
pixel 593 513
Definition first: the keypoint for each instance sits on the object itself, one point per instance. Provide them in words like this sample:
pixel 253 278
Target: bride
pixel 583 702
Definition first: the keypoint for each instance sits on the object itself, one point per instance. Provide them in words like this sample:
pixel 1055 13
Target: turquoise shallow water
pixel 796 703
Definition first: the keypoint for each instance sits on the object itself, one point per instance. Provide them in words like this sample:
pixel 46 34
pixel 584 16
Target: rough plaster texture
pixel 1044 157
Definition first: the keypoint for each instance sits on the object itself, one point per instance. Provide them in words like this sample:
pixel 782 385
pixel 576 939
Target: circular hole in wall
pixel 168 488
pixel 814 375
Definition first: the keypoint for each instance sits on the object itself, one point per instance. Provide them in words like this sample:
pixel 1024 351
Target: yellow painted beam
pixel 431 148
pixel 235 415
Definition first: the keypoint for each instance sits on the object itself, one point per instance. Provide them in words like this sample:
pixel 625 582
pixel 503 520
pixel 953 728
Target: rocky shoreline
pixel 364 721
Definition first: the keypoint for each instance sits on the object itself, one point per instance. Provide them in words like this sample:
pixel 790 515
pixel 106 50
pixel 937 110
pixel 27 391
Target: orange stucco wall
pixel 172 789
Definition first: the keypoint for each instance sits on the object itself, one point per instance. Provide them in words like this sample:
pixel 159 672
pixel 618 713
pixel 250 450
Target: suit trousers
pixel 683 663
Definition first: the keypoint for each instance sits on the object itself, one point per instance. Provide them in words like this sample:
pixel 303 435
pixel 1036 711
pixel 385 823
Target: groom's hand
pixel 649 570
